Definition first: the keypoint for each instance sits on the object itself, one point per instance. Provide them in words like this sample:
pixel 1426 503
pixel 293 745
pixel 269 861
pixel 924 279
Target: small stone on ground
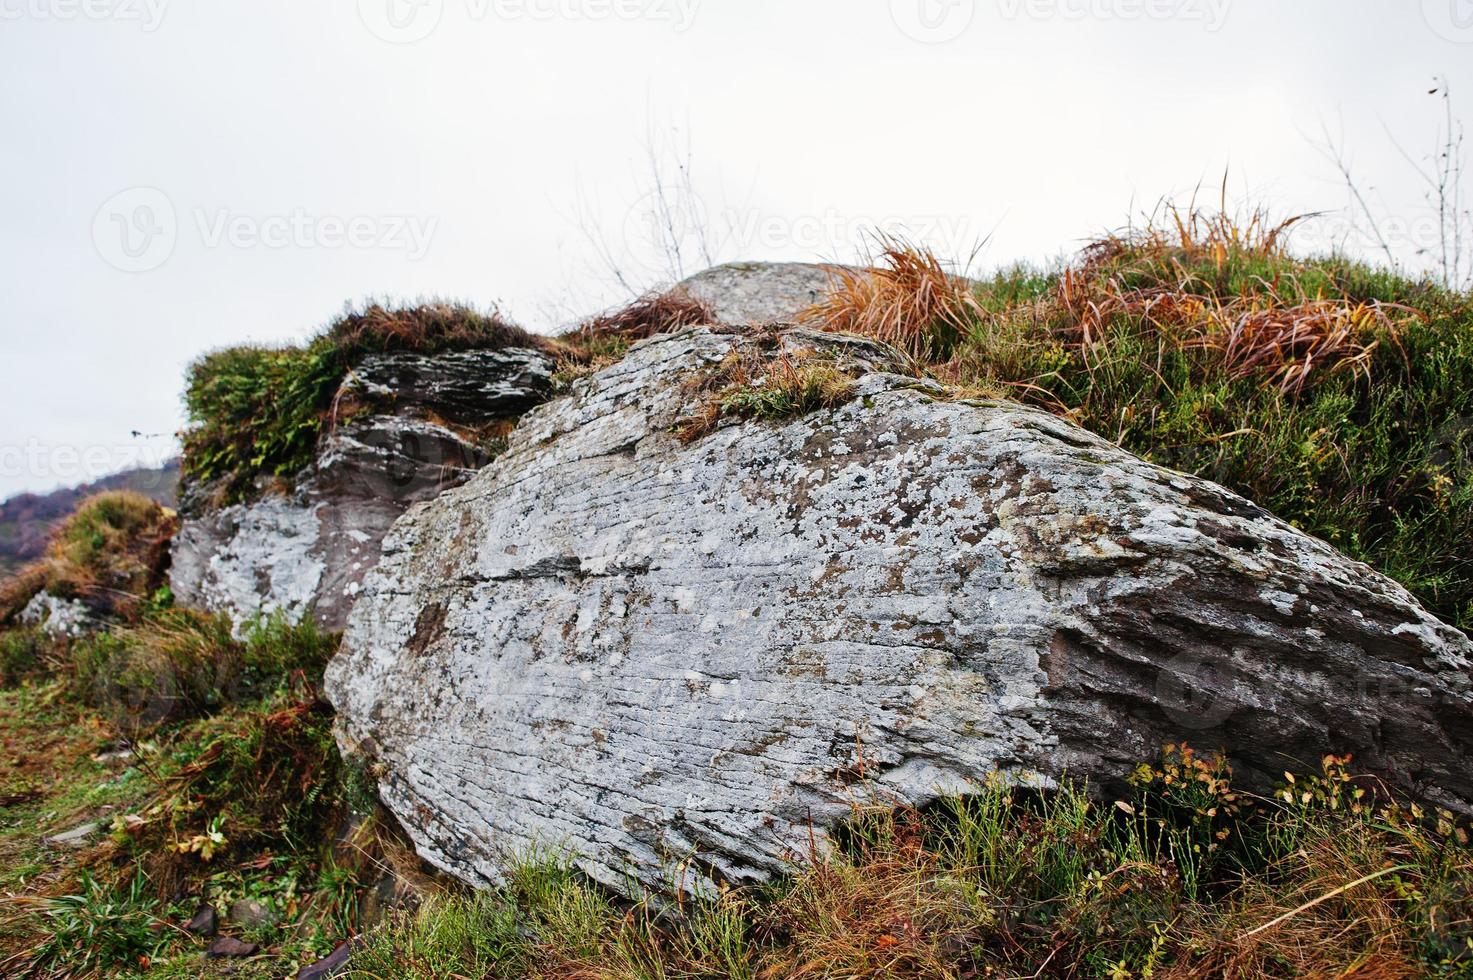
pixel 204 923
pixel 231 947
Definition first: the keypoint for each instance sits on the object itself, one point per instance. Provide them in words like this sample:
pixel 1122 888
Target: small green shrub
pixel 22 654
pixel 261 777
pixel 257 411
pixel 183 663
pixel 100 929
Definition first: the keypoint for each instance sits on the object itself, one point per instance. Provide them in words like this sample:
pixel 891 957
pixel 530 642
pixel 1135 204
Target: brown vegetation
pixel 910 302
pixel 112 554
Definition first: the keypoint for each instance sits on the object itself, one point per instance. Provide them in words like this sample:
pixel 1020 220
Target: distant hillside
pixel 26 520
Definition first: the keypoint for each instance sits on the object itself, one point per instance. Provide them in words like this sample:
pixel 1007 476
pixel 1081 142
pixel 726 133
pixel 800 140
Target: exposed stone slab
pixel 466 387
pixel 664 655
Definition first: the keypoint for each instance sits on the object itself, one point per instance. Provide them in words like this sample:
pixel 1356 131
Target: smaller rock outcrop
pixel 419 424
pixel 743 293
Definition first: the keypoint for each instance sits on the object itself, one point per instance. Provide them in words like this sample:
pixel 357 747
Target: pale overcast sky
pixel 183 174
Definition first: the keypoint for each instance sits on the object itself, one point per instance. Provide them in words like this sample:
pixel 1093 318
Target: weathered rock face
pixel 742 293
pixel 662 654
pixel 309 552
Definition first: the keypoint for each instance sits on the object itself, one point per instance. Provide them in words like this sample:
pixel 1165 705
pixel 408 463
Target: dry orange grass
pixel 1308 917
pixel 1193 234
pixel 653 313
pixel 1257 335
pixel 891 911
pixel 432 326
pixel 913 303
pixel 19 589
pixel 1287 344
pixel 907 300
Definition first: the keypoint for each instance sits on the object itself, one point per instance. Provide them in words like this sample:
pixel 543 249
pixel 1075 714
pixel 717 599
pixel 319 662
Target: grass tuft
pixel 100 930
pixel 429 328
pixel 653 313
pixel 907 299
pixel 747 386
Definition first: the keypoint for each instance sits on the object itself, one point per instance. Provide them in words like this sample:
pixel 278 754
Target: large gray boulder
pixel 305 552
pixel 697 656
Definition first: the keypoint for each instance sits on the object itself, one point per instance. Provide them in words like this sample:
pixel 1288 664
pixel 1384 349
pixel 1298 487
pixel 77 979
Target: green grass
pixel 451 937
pixel 1183 878
pixel 235 791
pixel 101 929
